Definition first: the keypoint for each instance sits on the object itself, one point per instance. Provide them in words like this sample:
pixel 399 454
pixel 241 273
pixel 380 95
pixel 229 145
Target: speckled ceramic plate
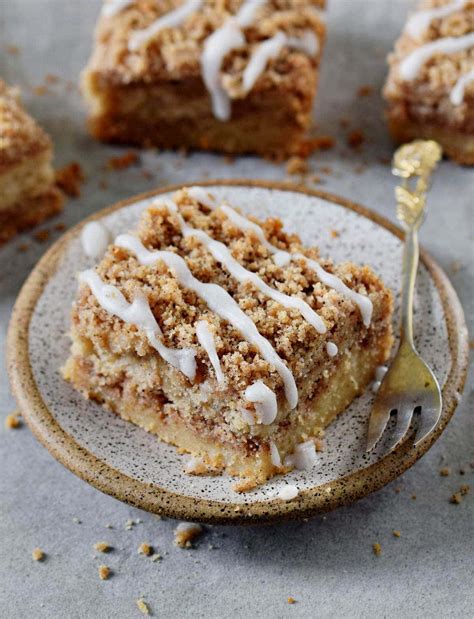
pixel 126 462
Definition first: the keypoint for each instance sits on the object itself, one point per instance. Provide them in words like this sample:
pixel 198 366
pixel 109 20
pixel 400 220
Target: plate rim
pixel 311 501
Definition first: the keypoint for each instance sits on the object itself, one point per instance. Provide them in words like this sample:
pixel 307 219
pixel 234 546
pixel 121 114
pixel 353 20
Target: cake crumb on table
pixel 185 533
pixel 143 606
pixel 464 489
pixel 102 547
pixel 355 138
pixel 444 472
pixel 155 557
pixel 123 161
pixel 377 548
pixel 297 165
pixel 13 421
pixel 69 178
pixel 145 549
pixel 365 90
pixel 38 554
pixel 104 572
pixel 291 600
pixel 456 498
pixel 396 533
pixel 42 235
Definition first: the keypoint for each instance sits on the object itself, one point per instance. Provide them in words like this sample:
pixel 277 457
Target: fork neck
pixel 409 270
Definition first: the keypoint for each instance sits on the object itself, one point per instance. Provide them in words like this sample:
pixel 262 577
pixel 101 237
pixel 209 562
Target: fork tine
pixel 404 417
pixel 377 423
pixel 428 420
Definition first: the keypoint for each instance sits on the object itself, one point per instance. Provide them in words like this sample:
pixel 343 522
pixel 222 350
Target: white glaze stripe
pixel 411 65
pixel 139 314
pixel 95 238
pixel 282 257
pixel 274 454
pixel 332 349
pixel 271 48
pixel 114 7
pixel 222 254
pixel 246 14
pixel 419 22
pixel 173 19
pixel 265 401
pixel 219 301
pixel 206 339
pixel 457 93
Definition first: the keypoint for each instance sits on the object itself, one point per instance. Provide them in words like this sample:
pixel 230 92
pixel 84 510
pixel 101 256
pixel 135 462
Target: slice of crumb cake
pixel 27 191
pixel 225 336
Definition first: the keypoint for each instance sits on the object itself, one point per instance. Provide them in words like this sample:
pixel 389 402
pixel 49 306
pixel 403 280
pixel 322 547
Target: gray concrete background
pixel 326 564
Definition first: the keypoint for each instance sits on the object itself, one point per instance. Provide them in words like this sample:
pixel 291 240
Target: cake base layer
pixel 349 379
pixel 29 212
pixel 456 145
pixel 271 123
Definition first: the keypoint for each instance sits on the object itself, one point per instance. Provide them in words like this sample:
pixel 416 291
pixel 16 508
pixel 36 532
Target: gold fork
pixel 409 384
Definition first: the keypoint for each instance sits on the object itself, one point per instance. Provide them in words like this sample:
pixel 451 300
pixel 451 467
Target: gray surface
pixel 326 563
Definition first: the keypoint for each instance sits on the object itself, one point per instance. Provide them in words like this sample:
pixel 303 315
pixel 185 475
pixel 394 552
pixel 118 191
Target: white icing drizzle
pixel 206 339
pixel 287 493
pixel 380 372
pixel 219 301
pixel 457 93
pixel 173 19
pixel 139 314
pixel 248 416
pixel 95 238
pixel 222 254
pixel 411 65
pixel 271 48
pixel 265 401
pixel 216 47
pixel 332 349
pixel 419 22
pixel 201 195
pixel 274 454
pixel 304 457
pixel 114 7
pixel 283 257
pixel 376 385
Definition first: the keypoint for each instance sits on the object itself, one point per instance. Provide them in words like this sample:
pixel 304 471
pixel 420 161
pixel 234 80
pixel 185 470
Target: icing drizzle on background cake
pixel 114 7
pixel 457 93
pixel 420 21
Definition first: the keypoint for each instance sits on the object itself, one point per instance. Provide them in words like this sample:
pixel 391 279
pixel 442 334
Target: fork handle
pixel 409 270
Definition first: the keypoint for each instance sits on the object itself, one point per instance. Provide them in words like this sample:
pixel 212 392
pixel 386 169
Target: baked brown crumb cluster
pixel 20 136
pixel 427 97
pixel 174 53
pixel 177 309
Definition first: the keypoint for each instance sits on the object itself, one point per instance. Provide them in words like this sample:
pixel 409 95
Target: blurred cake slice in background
pixel 237 76
pixel 430 86
pixel 27 191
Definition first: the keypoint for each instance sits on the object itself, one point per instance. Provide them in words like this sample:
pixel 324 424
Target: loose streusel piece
pixel 27 191
pixel 143 606
pixel 38 554
pixel 104 572
pixel 185 533
pixel 234 76
pixel 430 86
pixel 13 421
pixel 102 547
pixel 226 337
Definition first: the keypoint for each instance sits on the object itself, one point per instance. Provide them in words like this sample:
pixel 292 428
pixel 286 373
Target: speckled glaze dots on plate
pixel 126 462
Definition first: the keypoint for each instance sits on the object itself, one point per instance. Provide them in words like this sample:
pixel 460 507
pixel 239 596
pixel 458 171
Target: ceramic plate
pixel 126 462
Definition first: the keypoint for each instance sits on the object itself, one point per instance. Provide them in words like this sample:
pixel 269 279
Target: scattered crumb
pixel 315 179
pixel 464 489
pixel 462 471
pixel 38 554
pixel 103 185
pixel 40 91
pixel 109 526
pixel 297 165
pixel 396 533
pixel 444 472
pixel 13 421
pixel 102 547
pixel 104 572
pixel 344 122
pixel 13 50
pixel 76 520
pixel 60 227
pixel 455 266
pixel 155 557
pixel 185 533
pixel 145 549
pixel 23 247
pixel 413 496
pixel 291 600
pixel 51 79
pixel 334 234
pixel 69 179
pixel 365 90
pixel 456 498
pixel 143 606
pixel 322 142
pixel 42 235
pixel 397 489
pixel 377 548
pixel 355 138
pixel 229 159
pixel 123 161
